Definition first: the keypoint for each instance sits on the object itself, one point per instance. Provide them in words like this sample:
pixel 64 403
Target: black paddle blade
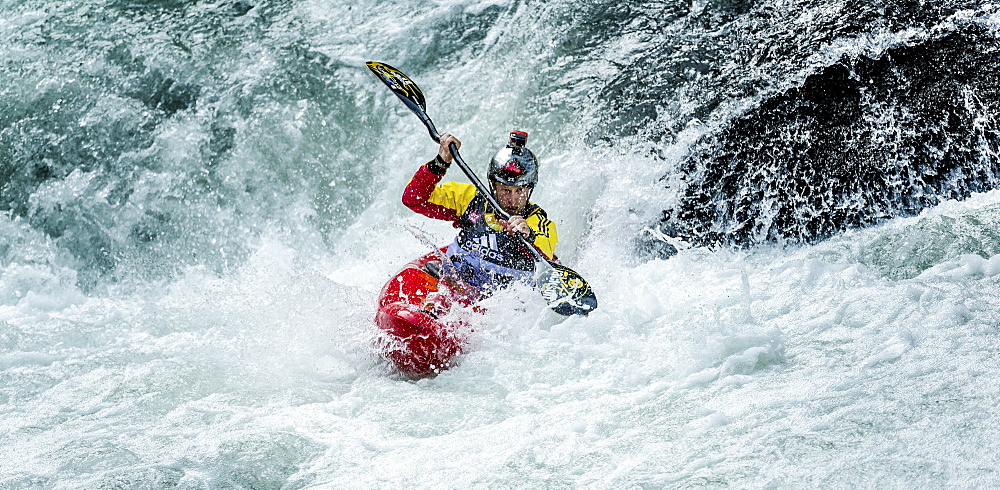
pixel 401 85
pixel 566 292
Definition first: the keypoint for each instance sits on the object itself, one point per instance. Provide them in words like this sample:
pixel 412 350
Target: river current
pixel 201 200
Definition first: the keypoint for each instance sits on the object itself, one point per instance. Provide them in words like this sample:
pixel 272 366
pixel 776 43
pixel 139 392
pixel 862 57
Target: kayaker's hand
pixel 443 151
pixel 516 224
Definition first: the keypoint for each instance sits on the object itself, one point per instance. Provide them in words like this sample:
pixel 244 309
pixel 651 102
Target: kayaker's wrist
pixel 438 166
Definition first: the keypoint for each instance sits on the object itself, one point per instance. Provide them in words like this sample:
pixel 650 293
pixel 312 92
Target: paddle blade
pixel 566 292
pixel 401 85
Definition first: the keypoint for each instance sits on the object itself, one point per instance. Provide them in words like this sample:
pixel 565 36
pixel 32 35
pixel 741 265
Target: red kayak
pixel 410 309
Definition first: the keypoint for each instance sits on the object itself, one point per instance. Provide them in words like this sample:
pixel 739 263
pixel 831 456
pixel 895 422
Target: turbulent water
pixel 786 215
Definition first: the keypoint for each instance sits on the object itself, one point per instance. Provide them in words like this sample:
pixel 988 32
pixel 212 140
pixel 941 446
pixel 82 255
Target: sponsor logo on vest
pixel 489 241
pixel 492 222
pixel 485 245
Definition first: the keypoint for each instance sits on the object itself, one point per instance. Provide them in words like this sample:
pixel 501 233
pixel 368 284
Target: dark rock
pixel 859 141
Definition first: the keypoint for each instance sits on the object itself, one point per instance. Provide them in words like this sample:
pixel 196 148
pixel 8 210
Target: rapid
pixel 201 200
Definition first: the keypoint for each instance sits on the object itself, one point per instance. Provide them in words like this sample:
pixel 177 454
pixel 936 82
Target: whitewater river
pixel 201 203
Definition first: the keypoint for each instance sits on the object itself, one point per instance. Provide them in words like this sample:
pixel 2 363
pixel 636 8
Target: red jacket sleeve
pixel 419 190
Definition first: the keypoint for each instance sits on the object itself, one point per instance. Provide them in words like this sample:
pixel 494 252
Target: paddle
pixel 566 292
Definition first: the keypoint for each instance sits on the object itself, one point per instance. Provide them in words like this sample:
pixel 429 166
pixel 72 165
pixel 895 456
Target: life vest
pixel 483 253
pixel 487 256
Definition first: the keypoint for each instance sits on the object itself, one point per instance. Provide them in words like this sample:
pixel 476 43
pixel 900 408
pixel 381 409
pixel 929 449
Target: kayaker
pixel 485 254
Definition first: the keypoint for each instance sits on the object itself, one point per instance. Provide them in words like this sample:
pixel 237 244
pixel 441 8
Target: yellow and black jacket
pixel 483 253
